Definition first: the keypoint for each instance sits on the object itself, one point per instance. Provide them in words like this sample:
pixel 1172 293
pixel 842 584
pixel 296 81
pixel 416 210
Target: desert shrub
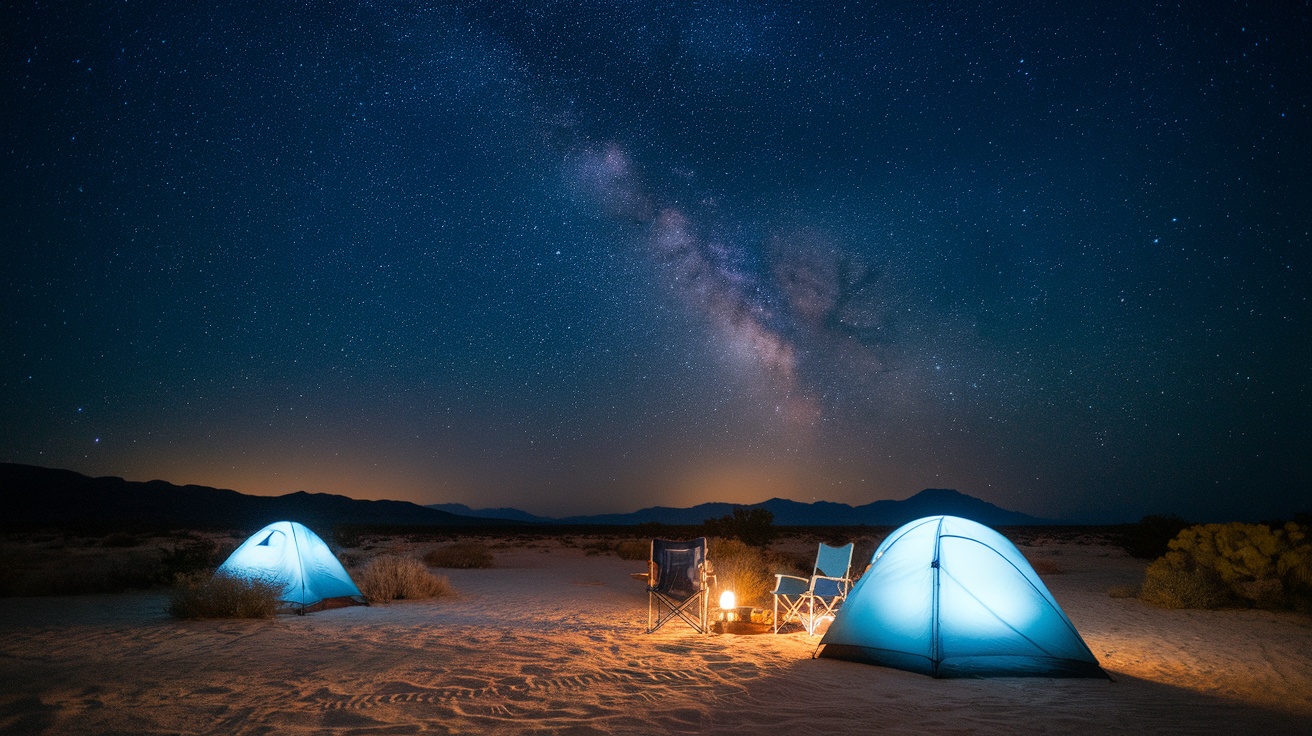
pixel 392 577
pixel 1175 581
pixel 460 556
pixel 747 571
pixel 1123 591
pixel 1149 539
pixel 224 596
pixel 633 549
pixel 1213 565
pixel 750 526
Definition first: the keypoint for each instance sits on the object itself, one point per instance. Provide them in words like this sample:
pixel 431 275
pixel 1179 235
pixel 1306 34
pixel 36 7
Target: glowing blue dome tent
pixel 289 553
pixel 949 597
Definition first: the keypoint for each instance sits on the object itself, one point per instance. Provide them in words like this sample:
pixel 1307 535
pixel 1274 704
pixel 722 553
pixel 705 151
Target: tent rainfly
pixel 287 552
pixel 949 597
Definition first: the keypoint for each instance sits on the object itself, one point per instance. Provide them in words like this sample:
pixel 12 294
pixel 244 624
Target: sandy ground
pixel 552 641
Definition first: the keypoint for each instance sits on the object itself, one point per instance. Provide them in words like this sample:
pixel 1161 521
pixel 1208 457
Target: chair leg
pixel 706 612
pixel 695 613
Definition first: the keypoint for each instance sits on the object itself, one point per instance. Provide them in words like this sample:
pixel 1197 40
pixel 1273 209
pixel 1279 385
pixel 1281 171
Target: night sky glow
pixel 584 257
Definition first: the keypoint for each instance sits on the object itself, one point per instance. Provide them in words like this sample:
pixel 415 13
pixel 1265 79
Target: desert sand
pixel 551 641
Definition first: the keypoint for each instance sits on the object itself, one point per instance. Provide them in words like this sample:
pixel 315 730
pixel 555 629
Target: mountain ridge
pixel 928 502
pixel 35 496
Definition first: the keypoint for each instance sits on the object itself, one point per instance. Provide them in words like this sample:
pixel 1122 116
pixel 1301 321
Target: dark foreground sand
pixel 551 642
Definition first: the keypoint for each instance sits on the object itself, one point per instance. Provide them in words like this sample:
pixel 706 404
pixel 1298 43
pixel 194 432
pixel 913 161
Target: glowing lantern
pixel 728 601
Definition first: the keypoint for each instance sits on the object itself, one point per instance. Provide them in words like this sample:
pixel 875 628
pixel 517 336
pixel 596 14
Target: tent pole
pixel 934 644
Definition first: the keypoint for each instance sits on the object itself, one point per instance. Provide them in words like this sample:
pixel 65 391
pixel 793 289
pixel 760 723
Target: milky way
pixel 782 309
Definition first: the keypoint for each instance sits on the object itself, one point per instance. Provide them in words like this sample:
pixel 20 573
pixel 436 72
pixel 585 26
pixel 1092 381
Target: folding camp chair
pixel 809 600
pixel 677 584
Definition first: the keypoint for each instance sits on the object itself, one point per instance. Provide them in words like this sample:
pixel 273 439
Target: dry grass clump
pixel 1123 591
pixel 224 596
pixel 389 578
pixel 746 570
pixel 460 556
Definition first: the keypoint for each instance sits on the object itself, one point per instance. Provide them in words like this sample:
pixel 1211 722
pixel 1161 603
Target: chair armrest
pixel 843 584
pixel 797 586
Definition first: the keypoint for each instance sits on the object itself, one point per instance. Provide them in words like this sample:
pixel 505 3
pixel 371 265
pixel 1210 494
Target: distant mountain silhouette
pixel 507 514
pixel 32 496
pixel 929 502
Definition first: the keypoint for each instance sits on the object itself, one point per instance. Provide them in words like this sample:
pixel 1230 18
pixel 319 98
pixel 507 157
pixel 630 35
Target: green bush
pixel 1214 565
pixel 224 596
pixel 391 577
pixel 460 556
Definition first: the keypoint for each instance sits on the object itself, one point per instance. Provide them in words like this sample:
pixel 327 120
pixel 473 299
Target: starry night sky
pixel 581 257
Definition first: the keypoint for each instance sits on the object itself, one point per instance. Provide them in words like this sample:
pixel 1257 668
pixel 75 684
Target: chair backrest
pixel 833 562
pixel 677 566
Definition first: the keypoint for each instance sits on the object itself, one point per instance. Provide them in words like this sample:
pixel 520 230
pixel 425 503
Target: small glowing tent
pixel 949 597
pixel 289 553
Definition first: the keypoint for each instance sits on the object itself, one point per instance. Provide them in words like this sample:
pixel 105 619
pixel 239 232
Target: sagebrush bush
pixel 1214 565
pixel 1174 581
pixel 747 571
pixel 391 577
pixel 460 556
pixel 224 596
